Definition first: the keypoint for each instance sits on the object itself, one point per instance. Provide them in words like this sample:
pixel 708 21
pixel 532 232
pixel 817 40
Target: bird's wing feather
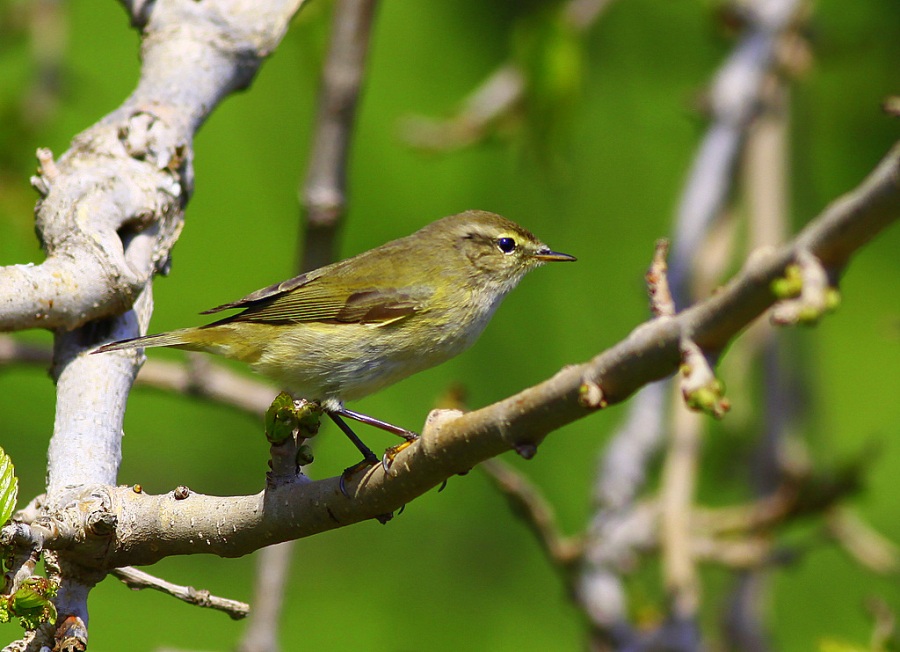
pixel 308 298
pixel 266 293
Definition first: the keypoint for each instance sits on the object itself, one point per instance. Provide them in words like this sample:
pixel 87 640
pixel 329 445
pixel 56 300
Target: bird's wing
pixel 266 293
pixel 312 298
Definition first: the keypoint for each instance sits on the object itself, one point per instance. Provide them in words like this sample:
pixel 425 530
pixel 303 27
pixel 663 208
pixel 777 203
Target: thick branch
pixel 112 204
pixel 110 212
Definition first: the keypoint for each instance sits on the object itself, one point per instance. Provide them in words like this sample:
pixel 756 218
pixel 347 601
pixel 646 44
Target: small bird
pixel 351 328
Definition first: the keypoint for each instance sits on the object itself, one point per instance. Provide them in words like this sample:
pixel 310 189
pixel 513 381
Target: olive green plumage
pixel 351 328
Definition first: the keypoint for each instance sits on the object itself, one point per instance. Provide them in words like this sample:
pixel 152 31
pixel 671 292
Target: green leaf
pixel 9 487
pixel 31 603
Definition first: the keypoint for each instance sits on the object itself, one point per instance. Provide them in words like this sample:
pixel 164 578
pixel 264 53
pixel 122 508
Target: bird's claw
pixel 386 461
pixel 390 453
pixel 365 463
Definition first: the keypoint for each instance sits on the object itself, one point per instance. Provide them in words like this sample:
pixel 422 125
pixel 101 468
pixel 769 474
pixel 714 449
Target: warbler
pixel 351 328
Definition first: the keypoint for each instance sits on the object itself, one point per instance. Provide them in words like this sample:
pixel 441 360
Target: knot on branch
pixel 146 137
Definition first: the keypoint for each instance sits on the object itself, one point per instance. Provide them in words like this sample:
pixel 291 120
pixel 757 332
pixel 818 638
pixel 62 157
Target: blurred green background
pixel 456 570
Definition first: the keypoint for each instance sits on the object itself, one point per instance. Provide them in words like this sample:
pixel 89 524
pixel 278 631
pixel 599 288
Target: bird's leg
pixel 409 435
pixel 369 458
pixel 390 453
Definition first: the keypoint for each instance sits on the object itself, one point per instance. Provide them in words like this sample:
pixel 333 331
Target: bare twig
pixel 862 542
pixel 272 572
pixel 623 466
pixel 677 495
pixel 137 579
pixel 324 193
pixel 661 304
pixel 528 503
pixel 885 625
pixel 494 99
pixel 891 105
pixel 208 380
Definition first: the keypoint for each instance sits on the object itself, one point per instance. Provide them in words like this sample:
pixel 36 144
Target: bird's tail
pixel 181 339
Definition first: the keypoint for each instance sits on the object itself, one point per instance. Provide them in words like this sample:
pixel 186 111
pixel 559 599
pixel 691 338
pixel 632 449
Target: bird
pixel 349 329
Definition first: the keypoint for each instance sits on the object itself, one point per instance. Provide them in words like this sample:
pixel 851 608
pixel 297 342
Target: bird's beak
pixel 547 256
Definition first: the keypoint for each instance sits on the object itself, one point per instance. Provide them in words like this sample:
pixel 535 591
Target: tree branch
pixel 527 501
pixel 324 192
pixel 111 208
pixel 137 579
pixel 498 96
pixel 152 527
pixel 734 100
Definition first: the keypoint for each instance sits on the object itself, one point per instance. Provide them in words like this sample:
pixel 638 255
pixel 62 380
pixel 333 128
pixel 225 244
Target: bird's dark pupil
pixel 506 245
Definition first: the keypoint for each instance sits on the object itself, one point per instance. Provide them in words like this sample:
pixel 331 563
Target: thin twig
pixel 862 542
pixel 529 503
pixel 677 495
pixel 498 96
pixel 272 573
pixel 324 192
pixel 137 579
pixel 661 304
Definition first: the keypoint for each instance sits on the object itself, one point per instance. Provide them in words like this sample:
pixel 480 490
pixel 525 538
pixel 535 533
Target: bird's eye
pixel 506 245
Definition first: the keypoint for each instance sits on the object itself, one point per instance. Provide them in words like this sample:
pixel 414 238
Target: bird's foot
pixel 366 463
pixel 389 454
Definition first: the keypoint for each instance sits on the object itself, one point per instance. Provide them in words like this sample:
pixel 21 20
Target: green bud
pixel 709 399
pixel 304 455
pixel 308 415
pixel 281 420
pixel 790 285
pixel 809 316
